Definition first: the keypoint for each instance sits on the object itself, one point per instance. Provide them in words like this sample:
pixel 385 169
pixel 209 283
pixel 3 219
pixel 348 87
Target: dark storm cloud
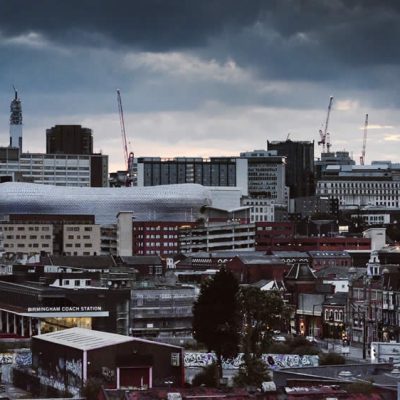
pixel 342 44
pixel 357 31
pixel 150 24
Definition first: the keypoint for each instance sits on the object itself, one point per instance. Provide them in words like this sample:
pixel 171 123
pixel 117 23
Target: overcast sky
pixel 204 77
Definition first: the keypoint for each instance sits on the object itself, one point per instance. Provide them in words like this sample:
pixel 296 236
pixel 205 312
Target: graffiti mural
pixel 6 358
pixel 23 358
pixel 274 361
pixel 197 359
pixel 74 367
pixel 20 357
pixel 57 384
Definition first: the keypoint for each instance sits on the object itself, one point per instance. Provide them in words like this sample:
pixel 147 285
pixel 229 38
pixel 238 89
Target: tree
pixel 262 313
pixel 216 321
pixel 253 372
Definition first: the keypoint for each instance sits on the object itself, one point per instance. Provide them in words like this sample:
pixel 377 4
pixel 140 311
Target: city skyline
pixel 204 78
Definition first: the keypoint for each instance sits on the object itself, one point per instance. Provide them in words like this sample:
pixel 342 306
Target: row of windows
pixel 24 228
pixel 155 228
pixel 72 237
pixel 23 245
pixel 24 237
pixel 78 245
pixel 77 282
pixel 157 244
pixel 157 236
pixel 361 185
pixel 78 228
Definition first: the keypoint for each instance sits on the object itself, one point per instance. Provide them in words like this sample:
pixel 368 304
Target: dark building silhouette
pixel 299 166
pixel 76 140
pixel 69 139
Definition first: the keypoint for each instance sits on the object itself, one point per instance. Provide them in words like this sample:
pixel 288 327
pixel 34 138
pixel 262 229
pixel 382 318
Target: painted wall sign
pixel 64 308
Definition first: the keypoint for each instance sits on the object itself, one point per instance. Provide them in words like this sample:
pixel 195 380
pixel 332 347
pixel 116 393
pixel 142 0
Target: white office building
pixel 355 186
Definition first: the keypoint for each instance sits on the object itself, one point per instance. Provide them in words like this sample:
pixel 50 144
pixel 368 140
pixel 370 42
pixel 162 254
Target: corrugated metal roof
pixel 84 339
pixel 87 339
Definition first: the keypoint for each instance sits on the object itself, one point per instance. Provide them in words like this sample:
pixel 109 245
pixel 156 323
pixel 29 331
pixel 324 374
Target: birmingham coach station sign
pixel 46 309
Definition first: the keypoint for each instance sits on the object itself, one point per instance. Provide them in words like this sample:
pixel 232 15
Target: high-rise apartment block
pixel 299 165
pixel 69 139
pixel 265 174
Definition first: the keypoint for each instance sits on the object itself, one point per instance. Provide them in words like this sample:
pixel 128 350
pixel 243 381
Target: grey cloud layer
pixel 194 56
pixel 355 32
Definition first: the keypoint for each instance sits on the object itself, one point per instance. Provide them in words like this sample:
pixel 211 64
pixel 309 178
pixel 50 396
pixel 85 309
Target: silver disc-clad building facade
pixel 162 203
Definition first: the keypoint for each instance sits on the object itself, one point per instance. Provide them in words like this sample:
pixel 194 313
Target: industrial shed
pixel 66 359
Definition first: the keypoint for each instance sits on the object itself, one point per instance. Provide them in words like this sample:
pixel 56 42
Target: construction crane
pixel 325 135
pixel 362 157
pixel 128 156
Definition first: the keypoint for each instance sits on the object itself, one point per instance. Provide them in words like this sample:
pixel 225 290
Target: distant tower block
pixel 16 122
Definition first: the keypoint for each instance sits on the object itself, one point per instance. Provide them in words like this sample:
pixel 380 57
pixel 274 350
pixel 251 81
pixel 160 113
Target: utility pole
pixel 364 337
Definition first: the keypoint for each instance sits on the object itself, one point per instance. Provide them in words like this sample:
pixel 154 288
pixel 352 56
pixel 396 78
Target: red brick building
pixel 250 269
pixel 274 236
pixel 157 237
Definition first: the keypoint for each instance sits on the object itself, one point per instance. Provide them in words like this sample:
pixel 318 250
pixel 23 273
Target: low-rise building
pixel 323 259
pixel 81 240
pixel 27 239
pixel 162 311
pixel 215 237
pixel 249 268
pixel 157 237
pixel 65 360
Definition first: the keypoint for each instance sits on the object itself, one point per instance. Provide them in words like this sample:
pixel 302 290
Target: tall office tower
pixel 69 139
pixel 299 166
pixel 266 174
pixel 16 122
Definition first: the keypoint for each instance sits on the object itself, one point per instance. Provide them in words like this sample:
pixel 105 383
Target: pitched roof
pixel 301 272
pixel 87 339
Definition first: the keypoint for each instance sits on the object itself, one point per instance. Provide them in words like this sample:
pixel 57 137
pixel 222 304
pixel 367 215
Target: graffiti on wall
pixel 274 361
pixel 74 367
pixel 58 384
pixel 23 358
pixel 6 358
pixel 19 357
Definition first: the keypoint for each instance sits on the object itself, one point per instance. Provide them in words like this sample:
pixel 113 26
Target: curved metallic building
pixel 161 203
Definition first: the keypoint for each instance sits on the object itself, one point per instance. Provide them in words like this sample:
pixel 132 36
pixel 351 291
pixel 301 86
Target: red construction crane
pixel 325 135
pixel 362 157
pixel 128 156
